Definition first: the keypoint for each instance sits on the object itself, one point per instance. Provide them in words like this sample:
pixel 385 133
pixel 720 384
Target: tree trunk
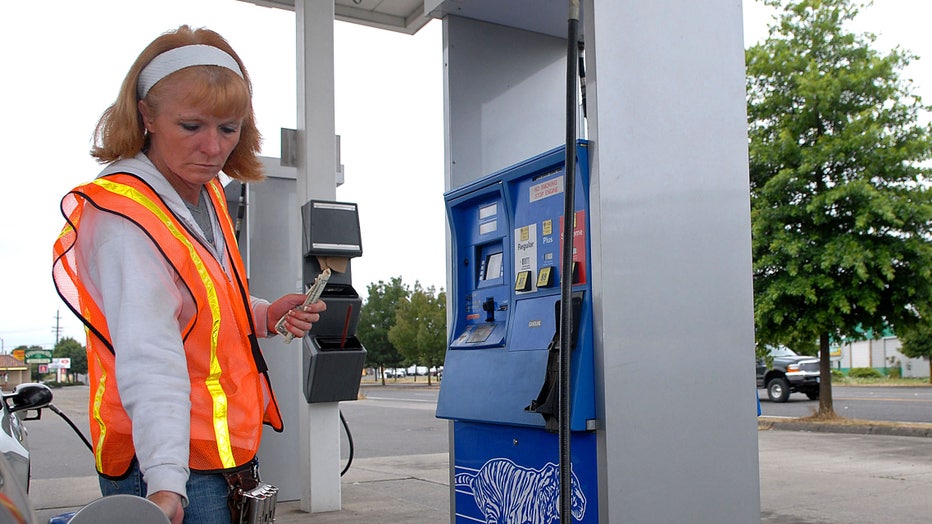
pixel 826 406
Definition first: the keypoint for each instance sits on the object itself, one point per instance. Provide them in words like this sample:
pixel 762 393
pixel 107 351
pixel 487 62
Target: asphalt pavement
pixel 807 477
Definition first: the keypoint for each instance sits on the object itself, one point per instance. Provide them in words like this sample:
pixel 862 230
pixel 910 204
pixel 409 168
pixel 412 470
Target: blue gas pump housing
pixel 507 238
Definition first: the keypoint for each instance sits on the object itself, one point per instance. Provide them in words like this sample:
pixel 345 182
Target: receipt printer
pixel 333 356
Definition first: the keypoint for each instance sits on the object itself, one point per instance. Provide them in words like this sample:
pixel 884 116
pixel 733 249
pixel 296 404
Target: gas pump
pixel 499 387
pixel 333 356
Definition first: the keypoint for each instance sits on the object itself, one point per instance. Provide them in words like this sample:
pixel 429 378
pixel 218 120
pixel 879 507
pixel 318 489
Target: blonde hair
pixel 120 132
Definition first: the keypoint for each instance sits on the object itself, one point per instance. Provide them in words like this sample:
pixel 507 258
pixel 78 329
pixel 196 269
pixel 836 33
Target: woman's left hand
pixel 170 504
pixel 298 318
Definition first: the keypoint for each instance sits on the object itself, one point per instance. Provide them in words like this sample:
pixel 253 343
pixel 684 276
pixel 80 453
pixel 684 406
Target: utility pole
pixel 57 328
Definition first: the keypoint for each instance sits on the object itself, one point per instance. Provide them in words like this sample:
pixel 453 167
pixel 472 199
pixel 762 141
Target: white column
pixel 320 437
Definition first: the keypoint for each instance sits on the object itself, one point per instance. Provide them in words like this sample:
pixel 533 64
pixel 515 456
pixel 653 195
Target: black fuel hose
pixel 240 210
pixel 70 423
pixel 566 281
pixel 349 438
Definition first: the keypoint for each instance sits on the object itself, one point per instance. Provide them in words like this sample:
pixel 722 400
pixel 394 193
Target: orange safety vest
pixel 231 396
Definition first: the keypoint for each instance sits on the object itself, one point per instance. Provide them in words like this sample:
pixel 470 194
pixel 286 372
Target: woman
pixel 148 261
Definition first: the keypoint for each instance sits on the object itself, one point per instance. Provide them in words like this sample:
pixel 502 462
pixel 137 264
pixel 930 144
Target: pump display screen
pixel 493 266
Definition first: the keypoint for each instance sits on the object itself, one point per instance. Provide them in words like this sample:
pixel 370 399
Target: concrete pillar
pixel 316 156
pixel 672 259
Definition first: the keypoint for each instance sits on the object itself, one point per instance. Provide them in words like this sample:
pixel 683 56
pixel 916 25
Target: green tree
pixel 432 337
pixel 839 202
pixel 421 326
pixel 376 318
pixel 71 348
pixel 917 343
pixel 404 333
pixel 27 348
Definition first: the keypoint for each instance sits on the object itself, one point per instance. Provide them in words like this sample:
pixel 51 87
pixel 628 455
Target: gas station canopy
pixel 409 16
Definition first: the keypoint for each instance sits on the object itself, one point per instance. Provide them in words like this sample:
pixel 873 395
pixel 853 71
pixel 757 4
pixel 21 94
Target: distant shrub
pixel 895 372
pixel 837 375
pixel 54 384
pixel 865 373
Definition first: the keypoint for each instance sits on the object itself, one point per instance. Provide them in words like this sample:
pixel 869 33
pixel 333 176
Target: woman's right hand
pixel 170 503
pixel 298 318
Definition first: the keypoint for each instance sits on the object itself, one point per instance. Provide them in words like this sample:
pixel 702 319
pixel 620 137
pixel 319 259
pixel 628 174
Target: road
pixel 56 450
pixel 893 404
pixel 392 421
pixel 399 420
pixel 389 421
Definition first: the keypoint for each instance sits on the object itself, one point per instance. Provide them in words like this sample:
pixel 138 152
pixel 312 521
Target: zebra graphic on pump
pixel 507 493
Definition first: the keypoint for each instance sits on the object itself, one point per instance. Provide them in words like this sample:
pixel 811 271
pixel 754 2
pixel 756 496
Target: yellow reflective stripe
pixel 218 396
pixel 98 401
pixel 222 198
pixel 65 231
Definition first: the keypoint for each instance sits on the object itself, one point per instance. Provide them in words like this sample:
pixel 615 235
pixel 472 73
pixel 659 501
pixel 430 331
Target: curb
pixel 433 385
pixel 856 427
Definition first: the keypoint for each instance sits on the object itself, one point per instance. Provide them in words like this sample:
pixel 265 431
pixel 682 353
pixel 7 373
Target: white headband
pixel 180 58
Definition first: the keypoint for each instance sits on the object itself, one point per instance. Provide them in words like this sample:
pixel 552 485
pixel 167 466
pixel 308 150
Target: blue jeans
pixel 207 495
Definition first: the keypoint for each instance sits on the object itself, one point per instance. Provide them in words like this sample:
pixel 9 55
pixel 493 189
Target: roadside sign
pixel 19 354
pixel 60 363
pixel 38 356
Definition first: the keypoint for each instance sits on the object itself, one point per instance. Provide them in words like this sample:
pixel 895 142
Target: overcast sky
pixel 63 62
